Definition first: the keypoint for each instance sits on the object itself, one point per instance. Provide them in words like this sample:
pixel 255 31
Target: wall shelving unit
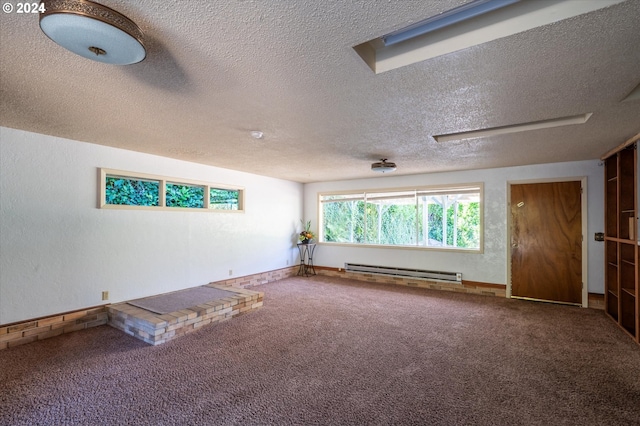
pixel 622 298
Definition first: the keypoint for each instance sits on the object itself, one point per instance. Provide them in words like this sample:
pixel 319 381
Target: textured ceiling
pixel 215 70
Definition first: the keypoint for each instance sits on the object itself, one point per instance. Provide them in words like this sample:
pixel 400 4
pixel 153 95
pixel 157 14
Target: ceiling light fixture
pixel 93 31
pixel 383 166
pixel 516 128
pixel 257 134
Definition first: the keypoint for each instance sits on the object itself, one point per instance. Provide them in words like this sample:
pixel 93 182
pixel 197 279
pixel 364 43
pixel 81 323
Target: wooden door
pixel 546 241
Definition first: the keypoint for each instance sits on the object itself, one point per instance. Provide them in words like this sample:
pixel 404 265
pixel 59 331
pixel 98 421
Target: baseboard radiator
pixel 450 277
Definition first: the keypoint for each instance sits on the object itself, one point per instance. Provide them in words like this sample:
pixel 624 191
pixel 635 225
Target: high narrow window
pixel 130 190
pixel 224 199
pixel 183 195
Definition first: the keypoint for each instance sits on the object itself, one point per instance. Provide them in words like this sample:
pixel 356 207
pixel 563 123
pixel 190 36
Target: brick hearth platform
pixel 156 329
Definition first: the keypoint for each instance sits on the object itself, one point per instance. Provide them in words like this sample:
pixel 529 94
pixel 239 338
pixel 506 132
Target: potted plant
pixel 306 235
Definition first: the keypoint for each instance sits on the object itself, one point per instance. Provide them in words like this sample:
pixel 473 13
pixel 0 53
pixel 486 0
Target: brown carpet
pixel 183 299
pixel 330 351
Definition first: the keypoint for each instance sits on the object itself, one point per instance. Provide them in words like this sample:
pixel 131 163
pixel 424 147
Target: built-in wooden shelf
pixel 622 303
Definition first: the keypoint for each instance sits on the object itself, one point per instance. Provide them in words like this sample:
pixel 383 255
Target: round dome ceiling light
pixel 93 31
pixel 257 134
pixel 383 166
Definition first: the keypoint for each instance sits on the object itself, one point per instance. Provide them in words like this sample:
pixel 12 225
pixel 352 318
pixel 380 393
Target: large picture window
pixel 130 190
pixel 442 217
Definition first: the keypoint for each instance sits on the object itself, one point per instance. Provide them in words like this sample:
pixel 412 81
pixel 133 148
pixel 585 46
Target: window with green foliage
pixel 135 190
pixel 131 192
pixel 446 217
pixel 182 195
pixel 223 199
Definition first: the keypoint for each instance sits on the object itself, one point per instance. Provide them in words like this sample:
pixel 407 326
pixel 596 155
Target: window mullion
pixel 365 227
pixel 354 208
pixel 162 199
pixel 455 223
pixel 380 213
pixel 207 197
pixel 418 220
pixel 425 218
pixel 445 208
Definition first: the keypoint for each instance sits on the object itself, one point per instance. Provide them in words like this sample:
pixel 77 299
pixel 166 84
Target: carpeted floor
pixel 331 351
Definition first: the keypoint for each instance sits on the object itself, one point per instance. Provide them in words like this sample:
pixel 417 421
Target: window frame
pixel 443 189
pixel 162 189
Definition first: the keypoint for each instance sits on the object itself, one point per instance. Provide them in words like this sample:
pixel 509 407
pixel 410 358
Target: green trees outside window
pixel 131 192
pixel 179 195
pixel 461 227
pixel 151 191
pixel 224 199
pixel 447 218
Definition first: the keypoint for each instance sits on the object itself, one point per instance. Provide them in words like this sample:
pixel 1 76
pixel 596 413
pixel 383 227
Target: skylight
pixel 453 16
pixel 468 26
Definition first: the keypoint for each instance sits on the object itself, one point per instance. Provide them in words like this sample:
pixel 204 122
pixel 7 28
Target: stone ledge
pixel 43 328
pixel 259 278
pixel 156 329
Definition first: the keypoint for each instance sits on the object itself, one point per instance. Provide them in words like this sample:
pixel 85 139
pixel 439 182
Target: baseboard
pixel 596 301
pixel 260 278
pixel 471 287
pixel 24 332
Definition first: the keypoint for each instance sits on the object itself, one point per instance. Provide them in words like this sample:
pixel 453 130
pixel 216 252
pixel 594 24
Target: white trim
pixel 585 230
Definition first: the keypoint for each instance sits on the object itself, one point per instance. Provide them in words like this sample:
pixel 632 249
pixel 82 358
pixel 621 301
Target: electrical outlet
pixel 105 295
pixel 230 272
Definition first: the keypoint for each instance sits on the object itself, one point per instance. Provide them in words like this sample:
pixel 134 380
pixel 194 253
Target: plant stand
pixel 306 259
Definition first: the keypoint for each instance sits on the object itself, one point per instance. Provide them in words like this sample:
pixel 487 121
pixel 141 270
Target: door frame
pixel 585 229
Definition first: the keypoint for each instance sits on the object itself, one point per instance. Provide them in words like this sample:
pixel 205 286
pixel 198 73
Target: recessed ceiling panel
pixel 512 19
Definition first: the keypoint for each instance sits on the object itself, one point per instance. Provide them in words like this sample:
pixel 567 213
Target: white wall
pixel 491 266
pixel 58 251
